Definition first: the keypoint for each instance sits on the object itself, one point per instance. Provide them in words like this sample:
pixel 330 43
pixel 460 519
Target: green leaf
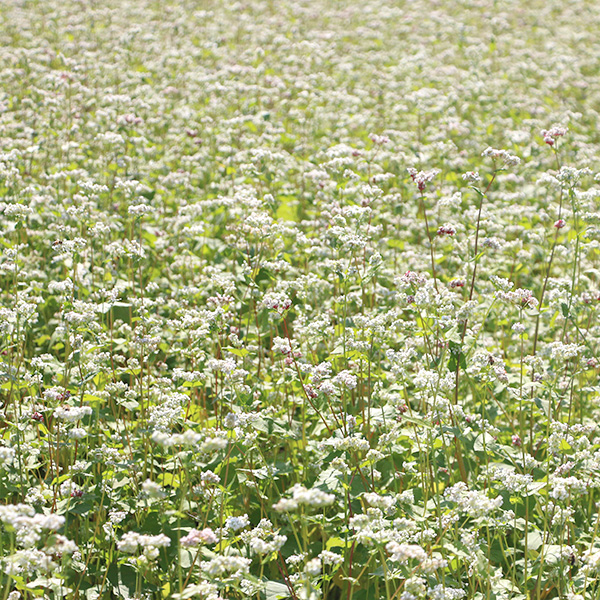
pixel 565 446
pixel 416 421
pixel 484 441
pixel 275 590
pixel 329 480
pixel 534 539
pixel 241 352
pixel 186 557
pixel 122 579
pixel 335 542
pixel 477 190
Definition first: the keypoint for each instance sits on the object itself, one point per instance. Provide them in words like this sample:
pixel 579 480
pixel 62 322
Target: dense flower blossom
pixel 299 299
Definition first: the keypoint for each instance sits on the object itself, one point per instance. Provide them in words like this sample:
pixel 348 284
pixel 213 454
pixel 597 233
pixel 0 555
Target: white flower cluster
pixel 331 558
pixel 564 352
pixel 508 478
pixel 474 503
pixel 205 442
pixel 508 159
pixel 237 523
pixel 564 488
pixel 404 553
pixel 346 378
pixel 151 544
pixel 385 503
pixel 7 456
pixel 27 523
pixel 371 527
pixel 232 566
pixel 520 297
pixel 72 414
pixel 278 302
pixel 263 539
pixel 353 443
pixel 187 438
pixel 472 176
pixel 29 528
pixel 302 496
pixel 444 592
pixel 166 411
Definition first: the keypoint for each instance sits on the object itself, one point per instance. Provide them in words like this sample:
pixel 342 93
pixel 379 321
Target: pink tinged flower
pixel 551 134
pixel 422 178
pixel 277 302
pixel 411 278
pixel 446 230
pixel 560 224
pixel 195 538
pixel 310 392
pixel 529 300
pixel 379 140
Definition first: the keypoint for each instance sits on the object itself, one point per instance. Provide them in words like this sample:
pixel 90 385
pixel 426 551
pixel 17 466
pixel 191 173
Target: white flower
pixel 128 543
pixel 403 553
pixel 285 505
pixel 222 565
pixel 153 489
pixel 346 378
pixel 471 176
pixel 132 540
pixel 237 523
pixel 313 497
pixel 72 414
pixel 313 567
pixel 508 159
pixel 331 558
pixel 474 503
pixel 7 456
pixel 77 433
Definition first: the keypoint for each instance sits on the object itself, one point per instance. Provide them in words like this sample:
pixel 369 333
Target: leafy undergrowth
pixel 299 299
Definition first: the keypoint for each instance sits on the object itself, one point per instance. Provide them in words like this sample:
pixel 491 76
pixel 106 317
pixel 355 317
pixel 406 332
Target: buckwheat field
pixel 299 300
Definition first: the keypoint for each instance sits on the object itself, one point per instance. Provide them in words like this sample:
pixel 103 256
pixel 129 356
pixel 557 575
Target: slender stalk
pixel 430 238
